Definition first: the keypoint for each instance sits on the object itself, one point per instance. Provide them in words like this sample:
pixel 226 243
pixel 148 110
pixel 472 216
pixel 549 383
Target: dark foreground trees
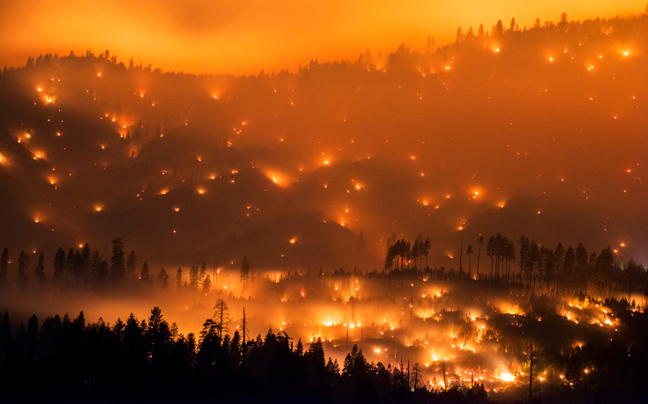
pixel 67 360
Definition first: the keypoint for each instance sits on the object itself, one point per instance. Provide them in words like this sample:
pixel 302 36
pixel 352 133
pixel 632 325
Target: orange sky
pixel 245 36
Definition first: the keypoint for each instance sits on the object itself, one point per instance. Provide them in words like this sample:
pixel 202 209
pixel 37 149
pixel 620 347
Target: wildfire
pixel 507 377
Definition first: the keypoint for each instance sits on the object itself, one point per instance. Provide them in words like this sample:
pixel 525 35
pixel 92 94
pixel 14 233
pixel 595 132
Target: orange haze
pixel 244 36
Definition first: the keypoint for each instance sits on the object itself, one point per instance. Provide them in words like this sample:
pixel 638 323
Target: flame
pixel 507 377
pixel 277 177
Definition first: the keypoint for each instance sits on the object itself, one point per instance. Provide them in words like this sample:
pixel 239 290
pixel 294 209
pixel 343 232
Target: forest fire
pixel 402 226
pixel 434 322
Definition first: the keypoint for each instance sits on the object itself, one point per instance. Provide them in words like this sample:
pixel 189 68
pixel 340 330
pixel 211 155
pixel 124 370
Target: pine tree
pixel 39 271
pixel 179 278
pixel 131 263
pixel 86 260
pixel 245 269
pixel 426 250
pixel 59 265
pixel 206 285
pixel 163 278
pixel 193 277
pixel 23 260
pixel 499 29
pixel 144 275
pixel 469 252
pixel 117 266
pixel 203 269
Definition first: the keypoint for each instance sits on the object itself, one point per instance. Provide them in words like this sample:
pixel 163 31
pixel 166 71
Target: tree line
pixel 570 270
pixel 65 359
pixel 83 268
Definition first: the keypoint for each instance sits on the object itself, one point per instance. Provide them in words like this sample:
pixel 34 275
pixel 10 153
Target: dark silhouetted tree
pixel 568 273
pixel 193 277
pixel 179 278
pixel 163 278
pixel 480 243
pixel 469 252
pixel 145 276
pixel 632 277
pixel 426 250
pixel 498 31
pixel 39 271
pixel 603 270
pixel 416 376
pixel 59 265
pixel 221 317
pixel 415 252
pixel 117 265
pixel 23 260
pixel 245 269
pixel 559 257
pixel 581 268
pixel 69 261
pixel 206 285
pixel 564 22
pixel 131 264
pixel 83 269
pixel 491 251
pixel 509 256
pixel 203 270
